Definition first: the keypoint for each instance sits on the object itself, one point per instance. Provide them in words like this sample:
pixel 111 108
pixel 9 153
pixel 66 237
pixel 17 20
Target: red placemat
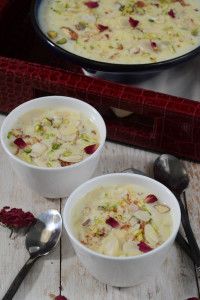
pixel 29 69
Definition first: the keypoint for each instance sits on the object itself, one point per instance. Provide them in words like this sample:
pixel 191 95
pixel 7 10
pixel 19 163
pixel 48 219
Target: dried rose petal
pixel 192 298
pixel 60 298
pixel 92 4
pixel 16 217
pixel 151 199
pixel 112 222
pixel 91 149
pixel 144 247
pixel 171 13
pixel 140 4
pixel 20 143
pixel 102 27
pixel 154 46
pixel 134 23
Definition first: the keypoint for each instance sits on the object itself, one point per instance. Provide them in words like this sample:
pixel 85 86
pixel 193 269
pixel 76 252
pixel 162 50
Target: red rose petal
pixel 154 45
pixel 171 13
pixel 151 199
pixel 134 23
pixel 192 298
pixel 16 217
pixel 112 222
pixel 102 27
pixel 92 4
pixel 140 4
pixel 20 143
pixel 60 298
pixel 91 149
pixel 144 247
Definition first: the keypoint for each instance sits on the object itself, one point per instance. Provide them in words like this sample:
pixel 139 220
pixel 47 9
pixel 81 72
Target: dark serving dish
pixel 103 66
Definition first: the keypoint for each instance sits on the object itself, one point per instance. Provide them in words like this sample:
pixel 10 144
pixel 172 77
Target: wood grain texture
pixel 176 278
pixel 193 199
pixel 44 277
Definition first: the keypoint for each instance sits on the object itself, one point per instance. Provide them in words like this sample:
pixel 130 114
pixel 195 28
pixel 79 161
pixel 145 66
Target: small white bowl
pixel 122 271
pixel 54 182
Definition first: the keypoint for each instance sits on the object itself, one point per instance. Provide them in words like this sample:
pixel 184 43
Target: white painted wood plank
pixel 176 278
pixel 193 198
pixel 44 277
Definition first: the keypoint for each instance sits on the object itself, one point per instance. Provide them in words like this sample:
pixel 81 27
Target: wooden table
pixel 176 279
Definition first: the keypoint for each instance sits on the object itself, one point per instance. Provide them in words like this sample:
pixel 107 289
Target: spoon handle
pixel 195 251
pixel 19 278
pixel 183 244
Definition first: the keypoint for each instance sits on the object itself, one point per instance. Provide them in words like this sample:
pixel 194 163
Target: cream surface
pixel 121 220
pixel 53 137
pixel 124 31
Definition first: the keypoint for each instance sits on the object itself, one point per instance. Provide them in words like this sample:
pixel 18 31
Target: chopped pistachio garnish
pixel 55 146
pixel 61 41
pixel 9 134
pixel 74 25
pixel 38 128
pixel 195 32
pixel 49 137
pixel 52 34
pixel 27 150
pixel 121 227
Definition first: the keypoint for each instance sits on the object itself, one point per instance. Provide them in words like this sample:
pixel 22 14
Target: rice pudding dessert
pixel 121 220
pixel 53 137
pixel 123 31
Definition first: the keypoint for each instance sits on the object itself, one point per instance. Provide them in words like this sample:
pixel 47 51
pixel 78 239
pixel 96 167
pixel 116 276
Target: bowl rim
pixel 118 258
pixel 50 98
pixel 105 66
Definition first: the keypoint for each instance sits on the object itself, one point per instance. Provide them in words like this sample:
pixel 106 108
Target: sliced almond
pixel 142 215
pixel 136 227
pixel 72 158
pixel 85 223
pixel 130 248
pixel 57 121
pixel 38 149
pixel 162 208
pixel 67 138
pixel 110 245
pixel 150 235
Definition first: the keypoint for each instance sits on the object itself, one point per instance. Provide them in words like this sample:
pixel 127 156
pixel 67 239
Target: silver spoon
pixel 42 237
pixel 179 238
pixel 171 172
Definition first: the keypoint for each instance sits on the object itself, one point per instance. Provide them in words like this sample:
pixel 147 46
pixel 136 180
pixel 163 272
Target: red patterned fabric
pixel 160 122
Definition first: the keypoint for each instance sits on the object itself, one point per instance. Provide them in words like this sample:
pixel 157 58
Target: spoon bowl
pixel 170 171
pixel 45 234
pixel 42 238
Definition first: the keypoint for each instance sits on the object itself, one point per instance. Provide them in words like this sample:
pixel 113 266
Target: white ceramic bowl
pixel 122 271
pixel 54 182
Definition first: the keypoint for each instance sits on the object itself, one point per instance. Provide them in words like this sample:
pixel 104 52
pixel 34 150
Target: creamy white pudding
pixel 123 31
pixel 121 220
pixel 56 137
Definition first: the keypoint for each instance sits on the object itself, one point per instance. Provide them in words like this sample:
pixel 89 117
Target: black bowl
pixel 93 66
